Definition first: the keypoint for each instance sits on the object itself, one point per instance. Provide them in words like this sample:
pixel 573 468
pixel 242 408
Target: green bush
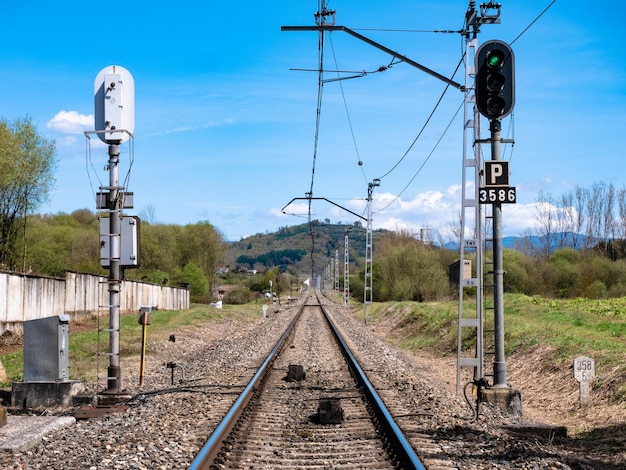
pixel 238 296
pixel 198 283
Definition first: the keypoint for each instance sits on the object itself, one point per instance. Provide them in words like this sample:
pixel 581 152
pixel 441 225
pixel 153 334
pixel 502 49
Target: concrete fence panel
pixel 26 297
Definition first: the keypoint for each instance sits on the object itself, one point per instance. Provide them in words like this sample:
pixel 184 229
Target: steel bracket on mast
pixel 403 58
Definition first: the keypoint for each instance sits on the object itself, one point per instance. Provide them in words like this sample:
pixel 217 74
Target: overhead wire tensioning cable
pixel 425 123
pixel 425 161
pixel 345 105
pixel 533 22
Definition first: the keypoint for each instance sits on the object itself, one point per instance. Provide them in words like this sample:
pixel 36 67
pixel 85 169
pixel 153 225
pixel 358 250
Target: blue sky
pixel 224 129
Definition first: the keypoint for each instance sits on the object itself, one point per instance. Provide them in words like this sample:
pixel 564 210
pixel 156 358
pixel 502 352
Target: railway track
pixel 309 405
pixel 167 424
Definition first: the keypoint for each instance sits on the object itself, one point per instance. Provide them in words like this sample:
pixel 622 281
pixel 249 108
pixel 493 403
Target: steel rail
pixel 406 456
pixel 211 449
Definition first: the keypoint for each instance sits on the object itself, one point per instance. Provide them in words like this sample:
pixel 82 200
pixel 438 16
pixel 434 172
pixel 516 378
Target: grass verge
pixel 85 342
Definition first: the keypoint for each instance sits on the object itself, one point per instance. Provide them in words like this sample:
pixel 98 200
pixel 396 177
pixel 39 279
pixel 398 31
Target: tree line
pixel 27 164
pixel 52 244
pixel 580 248
pixel 406 268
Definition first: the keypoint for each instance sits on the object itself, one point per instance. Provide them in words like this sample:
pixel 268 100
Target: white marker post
pixel 584 372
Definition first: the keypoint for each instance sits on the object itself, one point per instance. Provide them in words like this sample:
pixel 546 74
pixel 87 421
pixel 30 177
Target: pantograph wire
pixel 345 105
pixel 425 123
pixel 425 161
pixel 532 22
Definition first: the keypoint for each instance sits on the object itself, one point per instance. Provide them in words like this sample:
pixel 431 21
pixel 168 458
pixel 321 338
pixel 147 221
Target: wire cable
pixel 533 22
pixel 345 105
pixel 510 132
pixel 131 161
pixel 322 11
pixel 432 113
pixel 89 162
pixel 425 161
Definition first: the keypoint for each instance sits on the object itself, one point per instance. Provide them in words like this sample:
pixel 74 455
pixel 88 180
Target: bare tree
pixel 525 243
pixel 620 224
pixel 608 226
pixel 545 211
pixel 580 202
pixel 600 209
pixel 148 214
pixel 567 220
pixel 594 214
pixel 451 233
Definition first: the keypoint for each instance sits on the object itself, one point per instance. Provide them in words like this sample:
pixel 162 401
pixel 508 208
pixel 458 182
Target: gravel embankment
pixel 165 426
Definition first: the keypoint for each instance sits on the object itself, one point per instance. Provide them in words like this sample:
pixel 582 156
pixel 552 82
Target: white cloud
pixel 519 218
pixel 66 141
pixel 437 211
pixel 70 122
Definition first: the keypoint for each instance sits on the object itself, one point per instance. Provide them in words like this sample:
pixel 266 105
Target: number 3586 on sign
pixel 497 195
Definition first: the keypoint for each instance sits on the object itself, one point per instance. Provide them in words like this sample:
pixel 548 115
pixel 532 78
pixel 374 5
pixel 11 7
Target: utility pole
pixel 471 212
pixel 336 286
pixel 114 374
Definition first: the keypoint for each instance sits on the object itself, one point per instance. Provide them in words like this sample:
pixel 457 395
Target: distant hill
pixel 290 248
pixel 535 242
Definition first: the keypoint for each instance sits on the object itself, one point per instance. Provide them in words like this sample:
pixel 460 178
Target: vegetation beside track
pixel 84 341
pixel 566 327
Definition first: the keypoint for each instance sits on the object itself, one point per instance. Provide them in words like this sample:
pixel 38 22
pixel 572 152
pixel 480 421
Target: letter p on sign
pixel 496 173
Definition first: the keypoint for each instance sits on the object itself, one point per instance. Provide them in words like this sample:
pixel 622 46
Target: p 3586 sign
pixel 497 195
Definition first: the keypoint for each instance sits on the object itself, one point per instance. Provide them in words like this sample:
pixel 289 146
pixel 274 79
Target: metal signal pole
pixel 115 273
pixel 114 115
pixel 499 363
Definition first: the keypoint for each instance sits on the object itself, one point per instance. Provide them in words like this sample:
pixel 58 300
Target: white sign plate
pixel 584 369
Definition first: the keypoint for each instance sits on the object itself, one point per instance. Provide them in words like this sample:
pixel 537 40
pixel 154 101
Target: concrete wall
pixel 26 297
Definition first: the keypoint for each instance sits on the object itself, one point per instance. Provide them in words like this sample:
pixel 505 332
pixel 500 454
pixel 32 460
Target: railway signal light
pixel 495 79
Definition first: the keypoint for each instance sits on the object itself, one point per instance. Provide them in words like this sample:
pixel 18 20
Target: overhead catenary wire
pixel 511 127
pixel 424 162
pixel 322 12
pixel 321 18
pixel 532 22
pixel 356 147
pixel 432 113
